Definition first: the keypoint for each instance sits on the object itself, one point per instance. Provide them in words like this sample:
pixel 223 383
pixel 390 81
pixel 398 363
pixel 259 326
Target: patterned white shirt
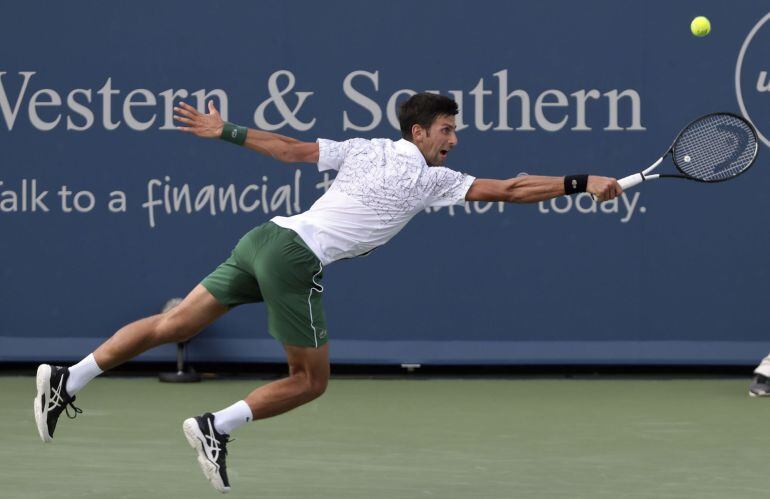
pixel 380 186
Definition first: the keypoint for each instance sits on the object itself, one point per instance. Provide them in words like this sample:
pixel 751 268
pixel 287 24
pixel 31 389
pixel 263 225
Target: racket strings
pixel 715 147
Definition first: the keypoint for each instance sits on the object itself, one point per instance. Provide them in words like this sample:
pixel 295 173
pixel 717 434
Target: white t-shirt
pixel 380 186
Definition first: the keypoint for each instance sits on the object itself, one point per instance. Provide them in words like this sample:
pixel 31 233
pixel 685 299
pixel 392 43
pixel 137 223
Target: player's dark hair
pixel 423 109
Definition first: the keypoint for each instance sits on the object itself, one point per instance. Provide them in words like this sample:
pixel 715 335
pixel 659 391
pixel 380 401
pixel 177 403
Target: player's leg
pixel 57 386
pixel 209 433
pixel 290 281
pixel 198 310
pixel 308 377
pixel 229 285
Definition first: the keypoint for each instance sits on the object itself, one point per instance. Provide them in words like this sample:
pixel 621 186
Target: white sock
pixel 81 373
pixel 764 367
pixel 230 418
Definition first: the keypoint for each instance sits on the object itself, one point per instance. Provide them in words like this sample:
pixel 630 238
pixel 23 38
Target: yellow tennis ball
pixel 700 26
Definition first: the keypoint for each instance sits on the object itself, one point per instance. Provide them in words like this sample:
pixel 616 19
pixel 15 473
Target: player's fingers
pixel 184 112
pixel 188 108
pixel 184 128
pixel 212 109
pixel 602 194
pixel 183 120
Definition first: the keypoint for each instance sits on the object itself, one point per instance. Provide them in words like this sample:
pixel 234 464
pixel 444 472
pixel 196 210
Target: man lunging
pixel 380 185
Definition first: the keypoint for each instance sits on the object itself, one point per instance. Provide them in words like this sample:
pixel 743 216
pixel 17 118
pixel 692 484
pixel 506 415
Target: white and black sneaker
pixel 52 398
pixel 211 447
pixel 759 387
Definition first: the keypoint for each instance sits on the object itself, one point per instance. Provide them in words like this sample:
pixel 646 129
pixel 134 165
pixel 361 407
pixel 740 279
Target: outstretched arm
pixel 280 147
pixel 534 188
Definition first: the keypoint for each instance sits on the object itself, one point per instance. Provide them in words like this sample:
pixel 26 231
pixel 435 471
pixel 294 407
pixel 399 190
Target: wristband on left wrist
pixel 234 133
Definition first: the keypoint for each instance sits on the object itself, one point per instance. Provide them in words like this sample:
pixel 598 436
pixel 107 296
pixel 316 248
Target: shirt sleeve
pixel 331 154
pixel 448 187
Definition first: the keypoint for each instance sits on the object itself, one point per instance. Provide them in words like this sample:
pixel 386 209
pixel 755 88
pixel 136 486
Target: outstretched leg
pixel 197 310
pixel 57 386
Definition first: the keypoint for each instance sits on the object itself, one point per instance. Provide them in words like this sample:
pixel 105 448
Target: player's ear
pixel 418 132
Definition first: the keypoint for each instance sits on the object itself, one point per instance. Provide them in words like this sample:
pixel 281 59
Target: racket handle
pixel 627 183
pixel 631 181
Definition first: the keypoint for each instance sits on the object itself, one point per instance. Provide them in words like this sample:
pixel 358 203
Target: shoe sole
pixel 41 410
pixel 210 470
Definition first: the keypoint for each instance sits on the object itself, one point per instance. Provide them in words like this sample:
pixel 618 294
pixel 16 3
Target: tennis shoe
pixel 759 387
pixel 211 447
pixel 52 398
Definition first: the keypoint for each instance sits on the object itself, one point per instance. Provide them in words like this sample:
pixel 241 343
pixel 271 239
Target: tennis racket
pixel 713 148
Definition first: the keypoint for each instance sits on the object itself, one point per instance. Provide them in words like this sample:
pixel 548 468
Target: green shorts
pixel 274 265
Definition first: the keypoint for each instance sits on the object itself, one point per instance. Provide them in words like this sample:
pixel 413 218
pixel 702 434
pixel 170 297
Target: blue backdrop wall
pixel 90 236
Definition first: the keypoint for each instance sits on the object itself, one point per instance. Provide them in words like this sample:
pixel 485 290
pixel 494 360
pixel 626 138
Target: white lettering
pixel 277 100
pixel 117 203
pixel 362 100
pixel 248 208
pixel 584 204
pixel 89 203
pixel 580 115
pixel 80 109
pixel 630 206
pixel 561 210
pixel 636 120
pixel 64 195
pixel 148 99
pixel 478 94
pixel 542 102
pixel 35 101
pixel 8 115
pixel 106 92
pixel 504 97
pixel 763 84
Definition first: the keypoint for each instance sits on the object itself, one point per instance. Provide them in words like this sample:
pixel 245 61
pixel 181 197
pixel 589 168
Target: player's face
pixel 436 142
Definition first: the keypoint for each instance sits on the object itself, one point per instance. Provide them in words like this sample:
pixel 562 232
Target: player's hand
pixel 208 126
pixel 603 188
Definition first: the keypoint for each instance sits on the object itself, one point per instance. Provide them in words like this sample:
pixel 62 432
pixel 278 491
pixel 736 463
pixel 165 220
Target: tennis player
pixel 380 185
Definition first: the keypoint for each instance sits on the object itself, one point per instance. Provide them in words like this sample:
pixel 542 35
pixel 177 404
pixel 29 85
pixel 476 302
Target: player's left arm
pixel 280 147
pixel 535 188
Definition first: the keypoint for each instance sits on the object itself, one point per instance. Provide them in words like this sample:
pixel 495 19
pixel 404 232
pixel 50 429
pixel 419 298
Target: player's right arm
pixel 280 147
pixel 535 188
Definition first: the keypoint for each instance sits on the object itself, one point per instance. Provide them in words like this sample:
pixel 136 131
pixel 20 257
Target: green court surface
pixel 404 438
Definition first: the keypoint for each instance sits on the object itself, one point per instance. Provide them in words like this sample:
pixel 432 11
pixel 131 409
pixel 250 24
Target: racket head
pixel 715 147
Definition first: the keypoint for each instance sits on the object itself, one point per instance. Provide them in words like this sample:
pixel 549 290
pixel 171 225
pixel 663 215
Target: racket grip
pixel 631 181
pixel 627 182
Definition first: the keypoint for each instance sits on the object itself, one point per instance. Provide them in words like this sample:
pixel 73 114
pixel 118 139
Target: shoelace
pixel 77 410
pixel 224 445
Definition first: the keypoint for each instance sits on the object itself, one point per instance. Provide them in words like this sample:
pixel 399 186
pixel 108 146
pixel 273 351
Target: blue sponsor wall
pixel 673 272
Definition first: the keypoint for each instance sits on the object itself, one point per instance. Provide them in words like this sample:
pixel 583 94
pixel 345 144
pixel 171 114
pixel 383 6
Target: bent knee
pixel 312 386
pixel 318 386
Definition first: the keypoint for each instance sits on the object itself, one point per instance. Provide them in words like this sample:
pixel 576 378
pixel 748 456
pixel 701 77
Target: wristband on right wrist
pixel 574 184
pixel 234 133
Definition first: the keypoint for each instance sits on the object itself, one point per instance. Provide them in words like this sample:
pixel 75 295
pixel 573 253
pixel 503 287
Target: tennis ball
pixel 700 26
